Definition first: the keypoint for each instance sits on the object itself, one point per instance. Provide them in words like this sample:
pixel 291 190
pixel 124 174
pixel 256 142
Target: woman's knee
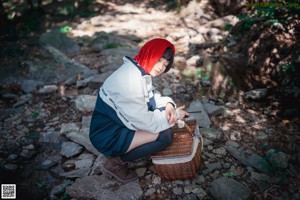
pixel 166 137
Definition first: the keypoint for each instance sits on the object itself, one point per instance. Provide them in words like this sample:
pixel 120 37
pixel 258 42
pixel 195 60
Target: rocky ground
pixel 47 98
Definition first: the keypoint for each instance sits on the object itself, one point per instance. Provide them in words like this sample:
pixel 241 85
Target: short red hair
pixel 151 52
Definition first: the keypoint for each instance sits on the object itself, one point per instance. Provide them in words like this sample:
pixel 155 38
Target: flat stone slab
pixel 100 187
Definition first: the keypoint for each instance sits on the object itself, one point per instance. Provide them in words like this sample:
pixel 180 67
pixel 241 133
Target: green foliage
pixel 111 45
pixel 271 12
pixel 227 27
pixel 64 197
pixel 274 167
pixel 65 29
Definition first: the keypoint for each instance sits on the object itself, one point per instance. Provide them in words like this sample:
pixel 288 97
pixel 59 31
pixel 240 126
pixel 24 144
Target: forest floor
pixel 248 119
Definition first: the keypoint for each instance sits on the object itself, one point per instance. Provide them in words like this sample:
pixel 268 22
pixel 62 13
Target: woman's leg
pixel 141 147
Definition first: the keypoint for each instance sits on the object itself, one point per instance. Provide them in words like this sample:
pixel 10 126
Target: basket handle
pixel 188 128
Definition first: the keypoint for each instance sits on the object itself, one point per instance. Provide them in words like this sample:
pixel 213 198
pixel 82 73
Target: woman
pixel 130 119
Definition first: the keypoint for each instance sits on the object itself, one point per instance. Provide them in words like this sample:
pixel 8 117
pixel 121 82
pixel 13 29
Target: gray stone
pixel 68 127
pixel 11 167
pixel 70 149
pixel 278 158
pixel 141 171
pixel 213 110
pixel 12 157
pixel 261 136
pixel 77 173
pixel 260 180
pixel 50 137
pixel 98 79
pixel 149 192
pixel 100 187
pixel 226 188
pixel 195 61
pixel 188 189
pixel 212 167
pixel 47 164
pixel 47 89
pixel 202 117
pixel 86 122
pixel 98 163
pixel 28 86
pixel 82 137
pixel 220 151
pixel 167 92
pixel 85 103
pixel 199 192
pixel 256 94
pixel 177 191
pixel 249 158
pixel 60 189
pixel 83 82
pixel 60 41
pixel 84 163
pixel 211 133
pixel 25 153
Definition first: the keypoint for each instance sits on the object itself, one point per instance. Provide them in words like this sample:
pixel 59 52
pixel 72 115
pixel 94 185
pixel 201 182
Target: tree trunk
pixel 3 20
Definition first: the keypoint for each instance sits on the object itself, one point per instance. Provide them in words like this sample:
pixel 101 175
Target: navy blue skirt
pixel 107 132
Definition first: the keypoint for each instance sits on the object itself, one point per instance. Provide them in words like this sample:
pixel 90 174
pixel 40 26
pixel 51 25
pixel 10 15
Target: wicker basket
pixel 182 159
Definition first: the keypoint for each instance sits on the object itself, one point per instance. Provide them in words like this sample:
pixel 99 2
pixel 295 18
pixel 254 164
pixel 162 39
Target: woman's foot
pixel 119 169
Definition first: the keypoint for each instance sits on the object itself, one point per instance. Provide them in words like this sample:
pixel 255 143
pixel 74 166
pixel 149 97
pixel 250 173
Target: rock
pixel 213 110
pixel 260 180
pixel 68 127
pixel 167 92
pixel 249 158
pixel 201 117
pixel 195 61
pixel 60 41
pixel 141 171
pixel 59 189
pixel 260 135
pixel 257 94
pixel 28 86
pixel 149 192
pixel 47 164
pixel 82 137
pixel 212 167
pixel 47 89
pixel 177 191
pixel 220 152
pixel 70 149
pixel 226 188
pixel 278 158
pixel 199 192
pixel 98 79
pixel 235 136
pixel 11 167
pixel 77 173
pixel 50 137
pixel 99 187
pixel 85 103
pixel 211 133
pixel 98 163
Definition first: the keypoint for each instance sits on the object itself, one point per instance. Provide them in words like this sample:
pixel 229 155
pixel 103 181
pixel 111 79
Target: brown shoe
pixel 117 168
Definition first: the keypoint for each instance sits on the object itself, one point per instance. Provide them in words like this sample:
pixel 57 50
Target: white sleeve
pixel 135 110
pixel 162 101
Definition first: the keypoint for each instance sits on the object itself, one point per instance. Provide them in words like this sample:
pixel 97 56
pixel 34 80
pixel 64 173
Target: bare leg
pixel 140 138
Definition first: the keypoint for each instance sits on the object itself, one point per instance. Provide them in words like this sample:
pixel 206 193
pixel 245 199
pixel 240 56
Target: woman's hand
pixel 171 113
pixel 180 113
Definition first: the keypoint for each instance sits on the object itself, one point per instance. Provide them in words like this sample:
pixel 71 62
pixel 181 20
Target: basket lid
pixel 182 144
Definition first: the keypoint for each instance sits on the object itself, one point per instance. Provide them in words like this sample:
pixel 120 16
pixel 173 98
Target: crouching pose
pixel 131 120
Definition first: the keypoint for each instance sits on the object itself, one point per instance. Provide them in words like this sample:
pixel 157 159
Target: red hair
pixel 151 52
